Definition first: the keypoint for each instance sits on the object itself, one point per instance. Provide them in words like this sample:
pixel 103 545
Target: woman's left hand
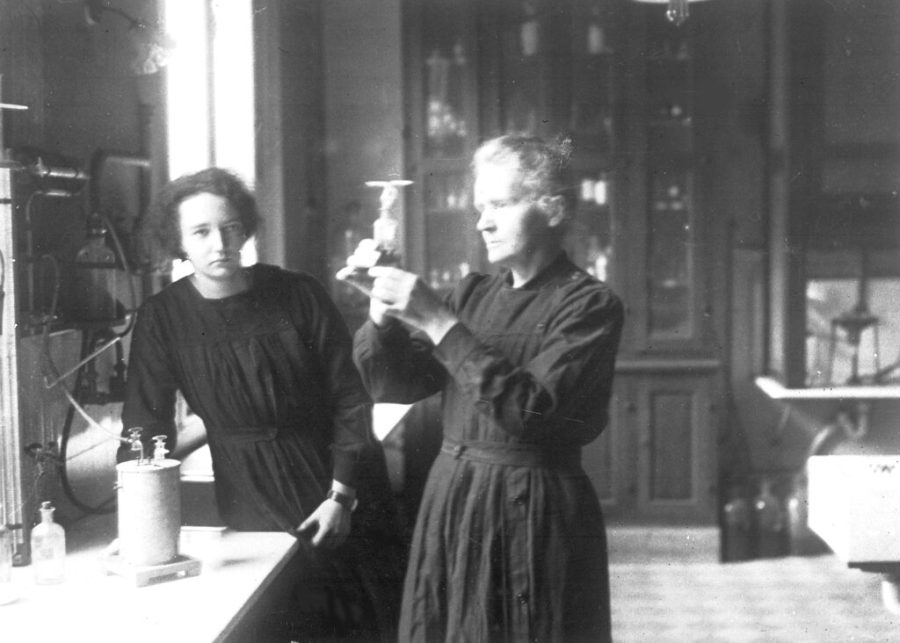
pixel 329 525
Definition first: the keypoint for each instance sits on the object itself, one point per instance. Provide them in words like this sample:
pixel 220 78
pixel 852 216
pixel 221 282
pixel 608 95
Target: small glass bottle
pixel 48 548
pixel 737 535
pixel 771 525
pixel 6 560
pixel 386 232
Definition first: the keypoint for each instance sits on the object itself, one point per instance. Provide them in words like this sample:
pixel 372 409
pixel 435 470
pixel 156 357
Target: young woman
pixel 263 357
pixel 510 542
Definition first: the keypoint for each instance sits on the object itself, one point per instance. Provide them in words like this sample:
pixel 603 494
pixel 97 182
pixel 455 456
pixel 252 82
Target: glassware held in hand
pixel 386 234
pixel 366 255
pixel 48 548
pixel 386 229
pixel 383 249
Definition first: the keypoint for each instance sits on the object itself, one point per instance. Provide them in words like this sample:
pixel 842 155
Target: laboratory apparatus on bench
pixel 149 517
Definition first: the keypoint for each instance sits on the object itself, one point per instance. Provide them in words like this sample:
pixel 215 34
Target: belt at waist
pixel 516 455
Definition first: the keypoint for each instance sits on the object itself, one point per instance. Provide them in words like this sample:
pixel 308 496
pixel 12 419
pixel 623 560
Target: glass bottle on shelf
pixel 48 548
pixel 530 30
pixel 597 259
pixel 596 43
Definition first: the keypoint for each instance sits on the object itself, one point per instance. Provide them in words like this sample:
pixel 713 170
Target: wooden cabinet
pixel 618 80
pixel 656 460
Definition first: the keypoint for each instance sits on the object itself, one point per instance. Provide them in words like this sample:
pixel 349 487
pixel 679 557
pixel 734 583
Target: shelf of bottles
pixel 593 87
pixel 527 51
pixel 547 70
pixel 448 68
pixel 590 114
pixel 671 226
pixel 555 77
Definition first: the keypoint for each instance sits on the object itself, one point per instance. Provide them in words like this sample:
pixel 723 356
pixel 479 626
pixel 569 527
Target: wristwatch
pixel 346 501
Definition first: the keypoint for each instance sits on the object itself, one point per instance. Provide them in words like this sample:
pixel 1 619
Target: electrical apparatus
pixel 149 518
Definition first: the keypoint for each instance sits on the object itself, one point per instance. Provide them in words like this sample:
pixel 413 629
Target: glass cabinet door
pixel 593 90
pixel 670 258
pixel 477 70
pixel 442 64
pixel 672 299
pixel 554 73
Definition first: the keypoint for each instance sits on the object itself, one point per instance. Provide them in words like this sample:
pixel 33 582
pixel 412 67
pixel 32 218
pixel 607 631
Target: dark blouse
pixel 509 542
pixel 532 364
pixel 269 371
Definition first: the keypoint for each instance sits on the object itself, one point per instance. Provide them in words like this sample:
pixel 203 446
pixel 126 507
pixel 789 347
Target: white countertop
pixel 92 605
pixel 777 391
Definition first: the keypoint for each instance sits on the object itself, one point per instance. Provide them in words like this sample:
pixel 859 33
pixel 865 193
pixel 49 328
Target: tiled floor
pixel 667 585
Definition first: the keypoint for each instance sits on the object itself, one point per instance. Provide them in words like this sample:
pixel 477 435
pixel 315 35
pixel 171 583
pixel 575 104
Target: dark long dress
pixel 269 371
pixel 509 542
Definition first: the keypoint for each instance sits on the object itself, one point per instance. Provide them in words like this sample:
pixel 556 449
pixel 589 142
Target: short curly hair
pixel 161 229
pixel 546 168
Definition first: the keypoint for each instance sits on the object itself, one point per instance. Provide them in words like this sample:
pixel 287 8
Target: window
pixel 210 90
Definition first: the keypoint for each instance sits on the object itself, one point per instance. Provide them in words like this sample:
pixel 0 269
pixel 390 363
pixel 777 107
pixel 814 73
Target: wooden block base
pixel 141 575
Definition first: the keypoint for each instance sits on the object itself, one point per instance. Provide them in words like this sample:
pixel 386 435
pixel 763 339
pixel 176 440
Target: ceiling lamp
pixel 678 10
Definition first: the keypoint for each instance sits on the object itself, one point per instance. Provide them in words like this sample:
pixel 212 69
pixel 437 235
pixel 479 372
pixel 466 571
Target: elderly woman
pixel 263 357
pixel 510 542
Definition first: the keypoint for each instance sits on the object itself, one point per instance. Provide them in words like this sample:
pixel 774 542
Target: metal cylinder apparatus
pixel 149 500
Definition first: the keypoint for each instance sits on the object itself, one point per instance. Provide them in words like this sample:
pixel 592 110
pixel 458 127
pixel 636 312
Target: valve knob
pixel 159 447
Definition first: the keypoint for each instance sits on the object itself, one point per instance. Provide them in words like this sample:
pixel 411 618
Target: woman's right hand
pixel 328 526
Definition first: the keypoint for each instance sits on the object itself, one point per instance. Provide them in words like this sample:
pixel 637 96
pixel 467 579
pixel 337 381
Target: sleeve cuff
pixel 455 347
pixel 345 468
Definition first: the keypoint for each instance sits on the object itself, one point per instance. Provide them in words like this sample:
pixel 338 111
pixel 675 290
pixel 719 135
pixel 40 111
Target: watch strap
pixel 347 501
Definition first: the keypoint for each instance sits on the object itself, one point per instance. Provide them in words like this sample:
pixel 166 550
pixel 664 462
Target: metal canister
pixel 149 500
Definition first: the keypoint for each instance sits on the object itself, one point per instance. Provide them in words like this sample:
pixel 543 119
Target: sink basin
pixel 854 506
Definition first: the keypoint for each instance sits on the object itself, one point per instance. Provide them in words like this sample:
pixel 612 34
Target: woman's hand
pixel 401 294
pixel 329 525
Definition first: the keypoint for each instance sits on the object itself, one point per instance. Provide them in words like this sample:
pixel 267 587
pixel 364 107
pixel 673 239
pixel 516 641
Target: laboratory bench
pixel 238 576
